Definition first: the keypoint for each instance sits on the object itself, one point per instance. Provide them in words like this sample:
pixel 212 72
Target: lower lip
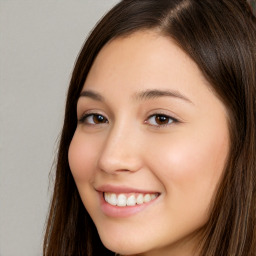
pixel 122 211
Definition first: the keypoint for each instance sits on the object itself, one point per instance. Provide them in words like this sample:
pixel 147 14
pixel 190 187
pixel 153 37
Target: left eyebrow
pixel 152 94
pixel 93 95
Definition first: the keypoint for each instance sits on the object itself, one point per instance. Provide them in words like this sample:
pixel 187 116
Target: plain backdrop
pixel 39 43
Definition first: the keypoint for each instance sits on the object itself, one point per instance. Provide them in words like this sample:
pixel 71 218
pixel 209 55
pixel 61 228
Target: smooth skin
pixel 150 121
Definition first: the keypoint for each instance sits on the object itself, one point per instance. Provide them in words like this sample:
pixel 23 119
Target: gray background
pixel 39 42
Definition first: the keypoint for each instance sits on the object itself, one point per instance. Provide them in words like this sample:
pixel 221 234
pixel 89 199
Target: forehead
pixel 145 60
pixel 142 50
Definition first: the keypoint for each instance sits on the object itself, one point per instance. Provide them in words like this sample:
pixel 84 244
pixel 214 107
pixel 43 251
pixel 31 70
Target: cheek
pixel 191 165
pixel 82 156
pixel 195 160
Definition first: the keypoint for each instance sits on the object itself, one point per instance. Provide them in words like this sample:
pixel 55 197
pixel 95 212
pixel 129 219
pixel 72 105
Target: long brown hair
pixel 220 36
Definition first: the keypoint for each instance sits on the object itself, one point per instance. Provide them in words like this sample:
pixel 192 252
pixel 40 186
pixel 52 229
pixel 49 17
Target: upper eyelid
pixel 86 115
pixel 82 118
pixel 158 126
pixel 161 114
pixel 167 113
pixel 149 114
pixel 91 112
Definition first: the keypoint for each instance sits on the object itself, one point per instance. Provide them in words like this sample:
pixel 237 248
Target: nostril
pixel 123 170
pixel 117 171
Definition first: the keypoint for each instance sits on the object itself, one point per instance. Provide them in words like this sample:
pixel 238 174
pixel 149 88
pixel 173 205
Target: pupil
pixel 98 119
pixel 162 119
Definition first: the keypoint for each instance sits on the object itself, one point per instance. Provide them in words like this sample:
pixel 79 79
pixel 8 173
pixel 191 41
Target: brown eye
pixel 98 119
pixel 93 119
pixel 160 120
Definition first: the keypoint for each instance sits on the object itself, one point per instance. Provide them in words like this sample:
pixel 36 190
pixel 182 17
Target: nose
pixel 121 151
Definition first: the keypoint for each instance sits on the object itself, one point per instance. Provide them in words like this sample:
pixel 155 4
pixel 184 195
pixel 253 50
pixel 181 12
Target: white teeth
pixel 140 199
pixel 122 200
pixel 153 196
pixel 147 198
pixel 131 201
pixel 112 199
pixel 106 197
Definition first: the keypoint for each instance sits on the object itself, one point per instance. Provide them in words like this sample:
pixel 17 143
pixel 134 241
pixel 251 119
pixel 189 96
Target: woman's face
pixel 150 146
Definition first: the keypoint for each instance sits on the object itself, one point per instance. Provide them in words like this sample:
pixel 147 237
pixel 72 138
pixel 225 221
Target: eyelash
pixel 85 116
pixel 170 120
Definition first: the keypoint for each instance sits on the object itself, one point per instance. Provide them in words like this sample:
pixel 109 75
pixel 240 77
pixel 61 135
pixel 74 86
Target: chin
pixel 131 242
pixel 124 245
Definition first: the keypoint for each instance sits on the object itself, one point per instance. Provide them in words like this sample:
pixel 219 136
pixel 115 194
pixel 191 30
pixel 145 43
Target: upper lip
pixel 122 189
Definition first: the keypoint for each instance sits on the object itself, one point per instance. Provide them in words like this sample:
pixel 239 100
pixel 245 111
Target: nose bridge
pixel 121 149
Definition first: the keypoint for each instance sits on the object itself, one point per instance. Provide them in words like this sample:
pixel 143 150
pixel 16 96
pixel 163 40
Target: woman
pixel 157 153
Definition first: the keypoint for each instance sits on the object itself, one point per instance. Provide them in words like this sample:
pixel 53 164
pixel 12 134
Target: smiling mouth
pixel 128 199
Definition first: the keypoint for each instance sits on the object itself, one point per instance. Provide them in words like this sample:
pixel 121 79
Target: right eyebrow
pixel 92 95
pixel 156 93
